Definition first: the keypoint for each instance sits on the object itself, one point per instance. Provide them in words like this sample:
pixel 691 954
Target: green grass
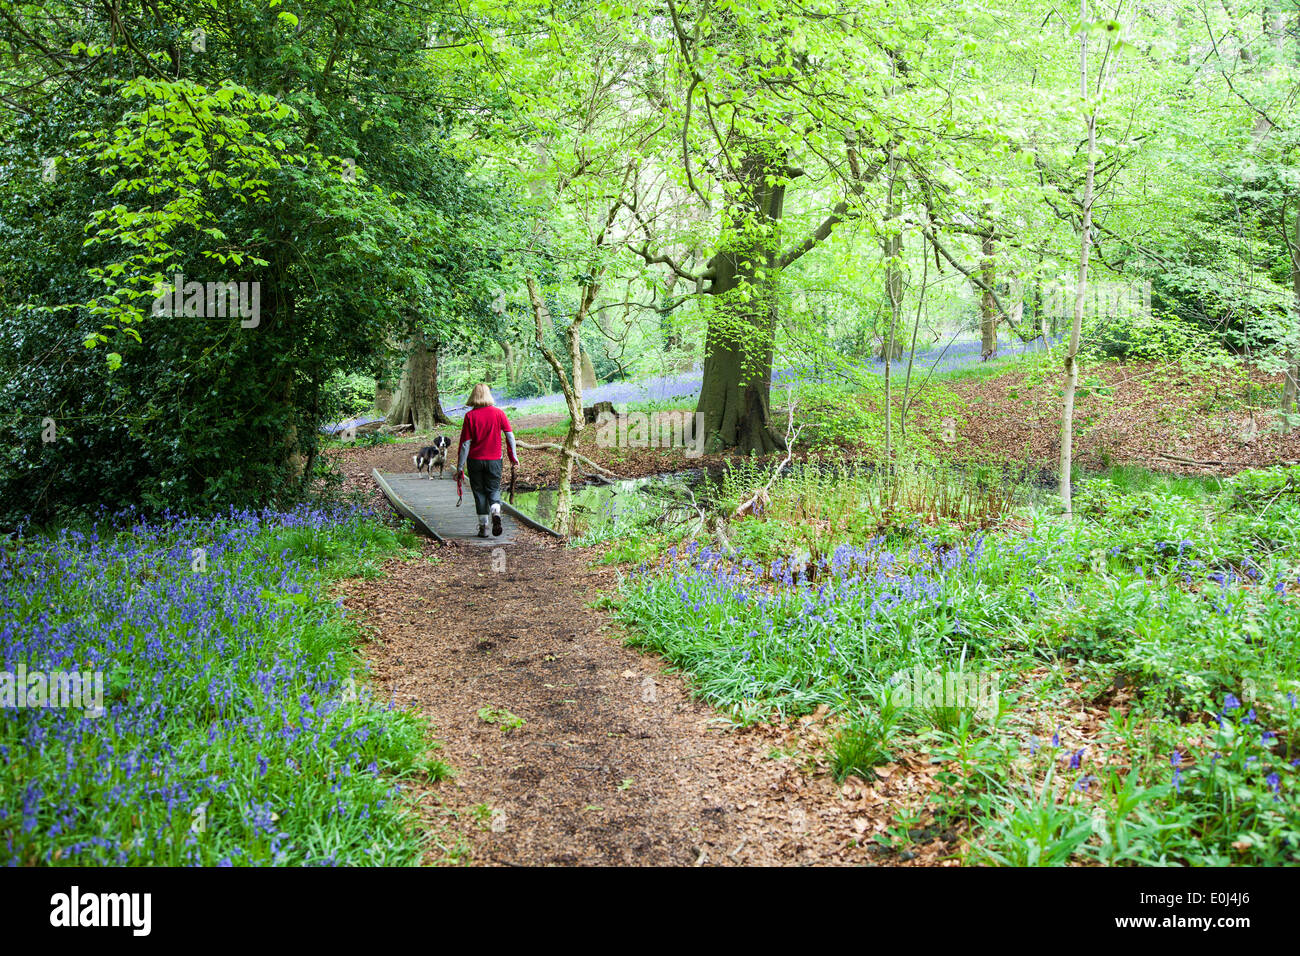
pixel 1130 479
pixel 553 432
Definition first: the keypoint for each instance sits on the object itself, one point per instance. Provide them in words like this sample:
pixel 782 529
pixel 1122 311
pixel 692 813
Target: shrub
pixel 1145 339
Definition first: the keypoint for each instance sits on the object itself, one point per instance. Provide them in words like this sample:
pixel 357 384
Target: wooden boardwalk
pixel 430 504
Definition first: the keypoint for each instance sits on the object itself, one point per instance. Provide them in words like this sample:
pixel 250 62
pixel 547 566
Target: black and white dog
pixel 430 455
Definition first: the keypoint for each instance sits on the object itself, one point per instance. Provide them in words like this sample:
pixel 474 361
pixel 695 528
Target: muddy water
pixel 671 493
pixel 610 501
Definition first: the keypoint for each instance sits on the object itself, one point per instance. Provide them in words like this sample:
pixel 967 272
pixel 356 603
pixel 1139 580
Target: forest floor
pixel 571 748
pixel 615 761
pixel 1145 415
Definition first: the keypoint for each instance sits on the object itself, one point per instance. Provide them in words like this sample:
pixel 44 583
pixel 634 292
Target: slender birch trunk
pixel 1081 290
pixel 894 283
pixel 911 357
pixel 1291 384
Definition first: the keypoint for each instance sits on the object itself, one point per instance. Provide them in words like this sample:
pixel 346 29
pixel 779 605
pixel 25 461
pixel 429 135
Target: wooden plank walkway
pixel 431 504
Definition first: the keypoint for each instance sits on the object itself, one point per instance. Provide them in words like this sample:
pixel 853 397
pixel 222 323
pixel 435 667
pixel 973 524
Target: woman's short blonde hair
pixel 480 396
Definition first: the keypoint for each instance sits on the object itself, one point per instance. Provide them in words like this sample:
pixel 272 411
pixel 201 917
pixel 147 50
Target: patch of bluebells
pixel 658 388
pixel 865 607
pixel 212 700
pixel 798 632
pixel 807 630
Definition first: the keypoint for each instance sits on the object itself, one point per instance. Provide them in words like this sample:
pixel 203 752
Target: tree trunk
pixel 511 364
pixel 988 308
pixel 895 352
pixel 667 329
pixel 894 286
pixel 1081 290
pixel 570 384
pixel 735 396
pixel 1289 385
pixel 417 402
pixel 1038 310
pixel 911 355
pixel 1289 388
pixel 588 370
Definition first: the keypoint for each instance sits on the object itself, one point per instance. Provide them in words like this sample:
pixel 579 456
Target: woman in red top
pixel 480 455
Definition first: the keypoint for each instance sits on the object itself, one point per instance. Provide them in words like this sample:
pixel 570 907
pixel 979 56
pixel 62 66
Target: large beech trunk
pixel 735 397
pixel 416 402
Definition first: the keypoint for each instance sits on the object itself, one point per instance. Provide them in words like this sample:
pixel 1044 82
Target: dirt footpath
pixel 614 763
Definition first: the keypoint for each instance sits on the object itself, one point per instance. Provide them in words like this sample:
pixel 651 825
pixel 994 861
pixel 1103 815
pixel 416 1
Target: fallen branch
pixel 1194 461
pixel 581 458
pixel 1244 464
pixel 791 436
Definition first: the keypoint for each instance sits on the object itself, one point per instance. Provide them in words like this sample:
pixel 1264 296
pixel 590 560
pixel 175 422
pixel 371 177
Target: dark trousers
pixel 485 482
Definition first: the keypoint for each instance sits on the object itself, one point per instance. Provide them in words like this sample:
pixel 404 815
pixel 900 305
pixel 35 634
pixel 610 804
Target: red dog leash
pixel 460 489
